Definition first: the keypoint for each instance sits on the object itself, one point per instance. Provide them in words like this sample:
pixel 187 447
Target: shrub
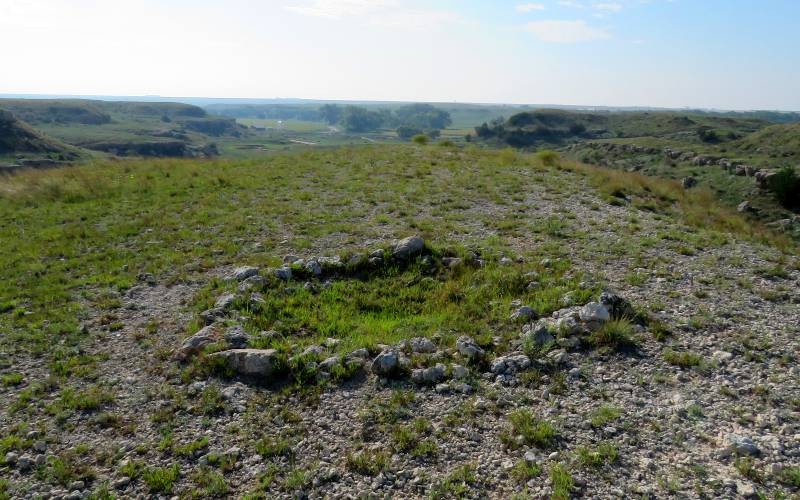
pixel 524 471
pixel 790 476
pixel 456 484
pixel 683 359
pixel 420 139
pixel 616 334
pixel 562 482
pixel 161 479
pixel 212 483
pixel 269 447
pixel 548 157
pixel 533 430
pixel 367 462
pixel 785 184
pixel 605 415
pixel 605 453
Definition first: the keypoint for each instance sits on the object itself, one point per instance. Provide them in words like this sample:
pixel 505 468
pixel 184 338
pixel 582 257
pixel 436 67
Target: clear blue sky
pixel 734 54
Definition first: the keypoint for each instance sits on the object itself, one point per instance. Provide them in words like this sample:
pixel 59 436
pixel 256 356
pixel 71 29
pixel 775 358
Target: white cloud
pixel 530 7
pixel 566 31
pixel 608 6
pixel 570 3
pixel 389 13
pixel 338 9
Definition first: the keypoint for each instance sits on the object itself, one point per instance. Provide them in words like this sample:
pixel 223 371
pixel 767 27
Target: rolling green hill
pixel 126 128
pixel 554 127
pixel 776 140
pixel 17 137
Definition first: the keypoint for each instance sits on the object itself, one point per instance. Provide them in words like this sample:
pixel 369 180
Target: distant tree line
pixel 408 121
pixel 533 129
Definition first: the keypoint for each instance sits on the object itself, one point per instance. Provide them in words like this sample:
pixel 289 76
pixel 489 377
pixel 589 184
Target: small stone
pixel 313 351
pixel 430 375
pixel 77 485
pixel 741 445
pixel 313 267
pixel 194 344
pixel 225 301
pixel 451 262
pixel 459 372
pixel 463 388
pixel 744 207
pixel 530 457
pixel 442 388
pixel 505 261
pixel 539 333
pixel 40 446
pixel 558 356
pixel 331 342
pixel 510 364
pixel 407 247
pixel 283 273
pixel 721 357
pixel 468 348
pixel 747 490
pixel 328 364
pixel 236 337
pixel 242 273
pixel 25 462
pixel 524 313
pixel 594 312
pixel 250 362
pixel 11 458
pixel 421 345
pixel 121 483
pixel 229 393
pixel 553 456
pixel 386 364
pixel 362 353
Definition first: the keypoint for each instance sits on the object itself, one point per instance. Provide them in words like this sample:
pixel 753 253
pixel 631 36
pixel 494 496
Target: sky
pixel 724 54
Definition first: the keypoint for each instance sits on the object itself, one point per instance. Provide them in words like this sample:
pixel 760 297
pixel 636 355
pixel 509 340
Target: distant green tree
pixel 331 113
pixel 359 119
pixel 423 116
pixel 707 134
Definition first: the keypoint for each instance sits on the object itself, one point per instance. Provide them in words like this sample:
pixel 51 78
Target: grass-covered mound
pixel 17 137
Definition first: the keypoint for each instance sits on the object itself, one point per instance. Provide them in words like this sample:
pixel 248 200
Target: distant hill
pixel 126 128
pixel 56 111
pixel 553 127
pixel 17 137
pixel 90 112
pixel 777 140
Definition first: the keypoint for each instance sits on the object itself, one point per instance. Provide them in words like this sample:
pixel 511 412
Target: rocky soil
pixel 707 404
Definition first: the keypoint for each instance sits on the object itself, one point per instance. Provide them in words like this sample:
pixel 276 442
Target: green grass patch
pixel 527 429
pixel 457 484
pixel 367 462
pixel 616 334
pixel 161 479
pixel 683 359
pixel 562 482
pixel 604 415
pixel 605 453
